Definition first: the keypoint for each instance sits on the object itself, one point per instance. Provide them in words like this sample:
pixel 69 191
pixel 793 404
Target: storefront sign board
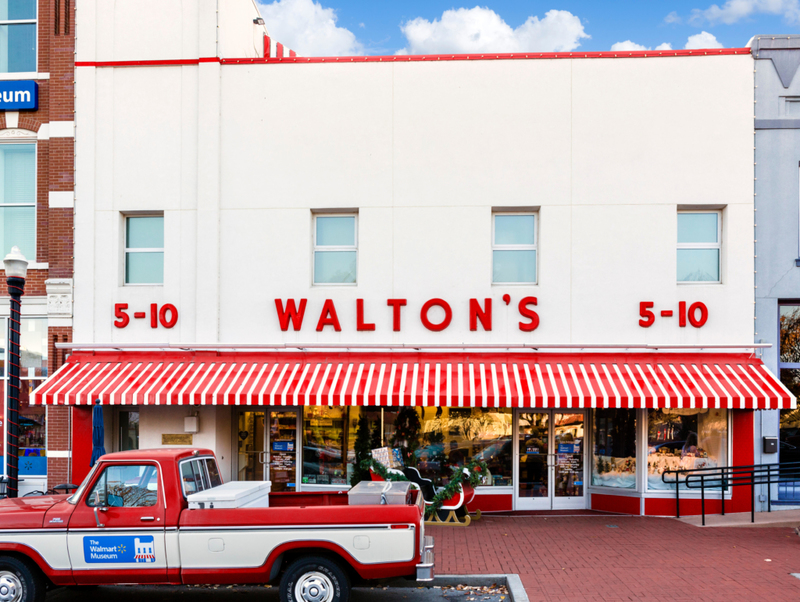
pixel 176 439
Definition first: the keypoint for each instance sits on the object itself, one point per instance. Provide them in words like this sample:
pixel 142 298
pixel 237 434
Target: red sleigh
pixel 453 511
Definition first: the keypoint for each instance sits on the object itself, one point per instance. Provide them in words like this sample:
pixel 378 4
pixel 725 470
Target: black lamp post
pixel 16 269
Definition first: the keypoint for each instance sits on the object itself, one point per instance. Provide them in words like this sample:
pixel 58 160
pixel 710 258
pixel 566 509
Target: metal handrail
pixel 722 477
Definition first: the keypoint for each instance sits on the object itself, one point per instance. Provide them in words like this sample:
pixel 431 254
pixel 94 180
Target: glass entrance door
pixel 550 460
pixel 282 446
pixel 251 440
pixel 267 447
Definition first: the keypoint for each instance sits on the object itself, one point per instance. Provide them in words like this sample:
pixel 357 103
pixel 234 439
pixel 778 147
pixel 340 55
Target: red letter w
pixel 291 312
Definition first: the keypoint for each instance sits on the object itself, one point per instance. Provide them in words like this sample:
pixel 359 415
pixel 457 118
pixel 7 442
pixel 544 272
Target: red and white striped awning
pixel 542 380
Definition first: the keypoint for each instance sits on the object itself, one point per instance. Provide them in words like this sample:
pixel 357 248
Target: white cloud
pixel 736 10
pixel 672 18
pixel 702 40
pixel 468 30
pixel 628 45
pixel 308 28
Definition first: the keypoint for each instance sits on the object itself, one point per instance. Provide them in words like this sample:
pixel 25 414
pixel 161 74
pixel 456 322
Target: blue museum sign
pixel 16 95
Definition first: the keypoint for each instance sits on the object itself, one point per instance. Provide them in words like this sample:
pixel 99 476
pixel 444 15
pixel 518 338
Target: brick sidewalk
pixel 609 557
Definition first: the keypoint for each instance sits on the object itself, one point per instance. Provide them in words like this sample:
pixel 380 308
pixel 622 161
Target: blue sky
pixel 340 27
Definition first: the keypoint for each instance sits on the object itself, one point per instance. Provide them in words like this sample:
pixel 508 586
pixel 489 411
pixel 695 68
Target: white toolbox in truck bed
pixel 237 494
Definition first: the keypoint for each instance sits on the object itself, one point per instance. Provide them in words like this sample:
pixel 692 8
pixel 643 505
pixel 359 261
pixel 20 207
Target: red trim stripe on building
pixel 506 380
pixel 292 58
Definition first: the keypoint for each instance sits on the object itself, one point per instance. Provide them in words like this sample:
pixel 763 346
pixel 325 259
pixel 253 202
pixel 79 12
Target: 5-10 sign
pixel 166 315
pixel 696 314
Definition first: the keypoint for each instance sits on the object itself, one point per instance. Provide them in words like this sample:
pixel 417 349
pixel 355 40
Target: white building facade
pixel 549 259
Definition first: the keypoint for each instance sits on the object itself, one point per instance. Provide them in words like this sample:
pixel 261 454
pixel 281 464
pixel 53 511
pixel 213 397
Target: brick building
pixel 37 56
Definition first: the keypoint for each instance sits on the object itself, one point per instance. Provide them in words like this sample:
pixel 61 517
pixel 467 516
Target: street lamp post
pixel 16 267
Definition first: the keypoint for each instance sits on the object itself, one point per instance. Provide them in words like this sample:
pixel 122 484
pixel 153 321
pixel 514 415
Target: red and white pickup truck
pixel 160 517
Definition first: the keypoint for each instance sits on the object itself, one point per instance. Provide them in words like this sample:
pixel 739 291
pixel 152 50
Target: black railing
pixel 722 477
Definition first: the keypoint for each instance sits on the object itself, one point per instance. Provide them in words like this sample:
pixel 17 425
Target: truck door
pixel 116 533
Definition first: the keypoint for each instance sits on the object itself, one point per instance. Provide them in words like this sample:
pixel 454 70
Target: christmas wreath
pixel 472 473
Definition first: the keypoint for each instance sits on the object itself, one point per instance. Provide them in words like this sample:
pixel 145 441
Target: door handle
pixel 147 518
pixel 97 519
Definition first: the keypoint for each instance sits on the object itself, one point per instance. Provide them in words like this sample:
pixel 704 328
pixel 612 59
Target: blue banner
pixel 119 549
pixel 16 95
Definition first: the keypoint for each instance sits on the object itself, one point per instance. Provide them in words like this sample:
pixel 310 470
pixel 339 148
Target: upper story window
pixel 18 205
pixel 699 246
pixel 335 249
pixel 144 249
pixel 17 36
pixel 514 248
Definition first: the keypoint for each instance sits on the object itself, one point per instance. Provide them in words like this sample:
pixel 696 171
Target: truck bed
pixel 307 498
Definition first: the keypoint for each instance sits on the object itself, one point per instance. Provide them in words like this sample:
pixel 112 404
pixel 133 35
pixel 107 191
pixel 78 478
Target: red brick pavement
pixel 640 558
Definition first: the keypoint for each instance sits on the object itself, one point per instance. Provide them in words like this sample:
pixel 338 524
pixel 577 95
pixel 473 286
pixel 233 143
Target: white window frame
pixel 126 250
pixel 533 247
pixel 19 141
pixel 333 248
pixel 702 245
pixel 35 50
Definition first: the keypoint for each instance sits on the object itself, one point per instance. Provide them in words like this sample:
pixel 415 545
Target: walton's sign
pixel 293 314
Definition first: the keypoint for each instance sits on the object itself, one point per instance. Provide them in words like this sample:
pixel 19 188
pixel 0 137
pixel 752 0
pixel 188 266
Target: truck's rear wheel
pixel 314 579
pixel 19 582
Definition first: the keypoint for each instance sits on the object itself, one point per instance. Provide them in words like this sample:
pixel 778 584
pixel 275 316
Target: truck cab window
pixel 213 472
pixel 195 478
pixel 130 486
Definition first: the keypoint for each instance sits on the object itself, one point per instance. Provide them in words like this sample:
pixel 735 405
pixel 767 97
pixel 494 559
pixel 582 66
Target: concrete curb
pixel 512 581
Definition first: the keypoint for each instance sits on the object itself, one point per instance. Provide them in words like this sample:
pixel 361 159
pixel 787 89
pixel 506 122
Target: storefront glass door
pixel 550 460
pixel 267 447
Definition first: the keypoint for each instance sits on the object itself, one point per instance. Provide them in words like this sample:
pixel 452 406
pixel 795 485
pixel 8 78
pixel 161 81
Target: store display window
pixel 436 439
pixel 789 371
pixel 685 438
pixel 374 424
pixel 325 455
pixel 32 419
pixel 32 431
pixel 614 457
pixel 449 437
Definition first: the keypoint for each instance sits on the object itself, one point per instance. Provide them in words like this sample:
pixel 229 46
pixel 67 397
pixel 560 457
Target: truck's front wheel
pixel 19 582
pixel 314 579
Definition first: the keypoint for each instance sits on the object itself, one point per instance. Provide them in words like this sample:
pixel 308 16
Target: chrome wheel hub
pixel 10 587
pixel 311 587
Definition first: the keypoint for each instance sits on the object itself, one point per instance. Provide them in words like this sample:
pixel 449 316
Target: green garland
pixel 380 470
pixel 472 473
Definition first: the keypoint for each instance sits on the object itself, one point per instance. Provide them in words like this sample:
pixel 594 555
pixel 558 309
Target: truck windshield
pixel 73 499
